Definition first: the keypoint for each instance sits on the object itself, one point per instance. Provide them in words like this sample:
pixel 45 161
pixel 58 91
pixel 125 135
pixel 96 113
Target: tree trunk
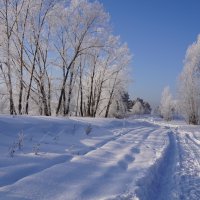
pixel 64 82
pixel 70 93
pixel 111 96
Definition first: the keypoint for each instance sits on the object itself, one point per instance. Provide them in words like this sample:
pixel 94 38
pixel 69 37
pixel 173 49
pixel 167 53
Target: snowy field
pixel 92 159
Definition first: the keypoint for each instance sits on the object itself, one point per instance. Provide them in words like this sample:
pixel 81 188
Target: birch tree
pixel 189 85
pixel 82 29
pixel 8 22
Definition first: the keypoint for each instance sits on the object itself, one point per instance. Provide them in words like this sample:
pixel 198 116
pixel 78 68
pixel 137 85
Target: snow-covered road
pixel 136 159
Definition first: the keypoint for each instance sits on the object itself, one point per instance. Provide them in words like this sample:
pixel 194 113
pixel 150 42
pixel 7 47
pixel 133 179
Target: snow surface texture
pixel 91 159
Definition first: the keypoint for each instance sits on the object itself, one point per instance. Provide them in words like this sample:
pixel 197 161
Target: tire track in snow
pixel 190 168
pixel 33 170
pixel 114 138
pixel 193 140
pixel 160 183
pixel 120 167
pixel 194 149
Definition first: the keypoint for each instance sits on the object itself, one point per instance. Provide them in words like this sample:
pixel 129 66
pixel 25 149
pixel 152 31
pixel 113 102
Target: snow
pixel 144 158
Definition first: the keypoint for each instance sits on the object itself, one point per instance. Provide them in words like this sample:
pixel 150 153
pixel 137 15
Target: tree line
pixel 60 57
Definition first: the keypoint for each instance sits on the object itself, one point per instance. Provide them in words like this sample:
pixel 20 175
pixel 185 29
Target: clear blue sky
pixel 158 33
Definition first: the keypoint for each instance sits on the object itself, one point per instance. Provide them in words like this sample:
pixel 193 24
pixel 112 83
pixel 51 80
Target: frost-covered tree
pixel 189 85
pixel 138 108
pixel 59 57
pixel 166 104
pixel 7 25
pixel 81 30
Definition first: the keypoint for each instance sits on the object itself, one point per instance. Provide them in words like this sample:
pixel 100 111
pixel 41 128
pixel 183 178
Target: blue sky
pixel 158 33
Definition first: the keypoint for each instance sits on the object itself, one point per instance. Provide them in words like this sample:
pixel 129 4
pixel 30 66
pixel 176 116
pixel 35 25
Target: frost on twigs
pixel 12 149
pixel 20 141
pixel 88 129
pixel 17 144
pixel 36 148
